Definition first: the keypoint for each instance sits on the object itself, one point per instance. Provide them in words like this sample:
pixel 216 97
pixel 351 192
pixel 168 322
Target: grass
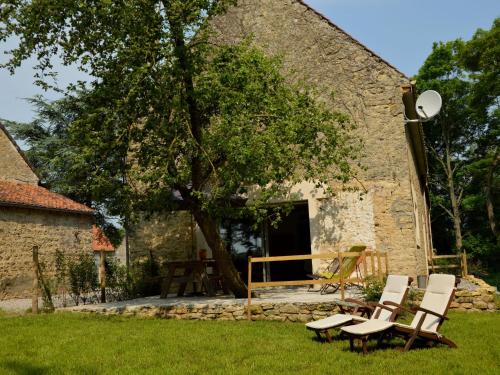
pixel 84 344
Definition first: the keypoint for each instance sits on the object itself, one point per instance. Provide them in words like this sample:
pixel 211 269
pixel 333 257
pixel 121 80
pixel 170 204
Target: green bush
pixel 119 284
pixel 145 277
pixel 83 278
pixel 373 288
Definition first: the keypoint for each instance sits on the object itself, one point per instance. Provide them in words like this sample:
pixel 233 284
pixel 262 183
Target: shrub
pixel 83 278
pixel 373 288
pixel 145 277
pixel 119 284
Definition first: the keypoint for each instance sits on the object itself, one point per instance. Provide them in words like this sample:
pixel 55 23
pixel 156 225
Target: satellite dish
pixel 428 105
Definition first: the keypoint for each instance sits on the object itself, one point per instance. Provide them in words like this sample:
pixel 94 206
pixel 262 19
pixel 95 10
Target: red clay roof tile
pixel 37 197
pixel 99 240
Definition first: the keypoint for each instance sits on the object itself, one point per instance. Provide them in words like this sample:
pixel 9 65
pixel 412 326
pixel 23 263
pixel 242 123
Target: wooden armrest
pixel 376 304
pixel 432 313
pixel 390 303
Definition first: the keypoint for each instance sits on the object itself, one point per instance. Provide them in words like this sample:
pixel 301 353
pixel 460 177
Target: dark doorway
pixel 290 237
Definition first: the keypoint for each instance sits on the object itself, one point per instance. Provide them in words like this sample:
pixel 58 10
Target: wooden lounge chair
pixel 331 269
pixel 396 290
pixel 349 265
pixel 426 323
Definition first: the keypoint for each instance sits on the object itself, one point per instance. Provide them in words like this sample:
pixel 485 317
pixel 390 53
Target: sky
pixel 400 31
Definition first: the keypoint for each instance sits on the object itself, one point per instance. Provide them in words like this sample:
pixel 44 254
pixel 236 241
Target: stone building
pixel 31 215
pixel 390 212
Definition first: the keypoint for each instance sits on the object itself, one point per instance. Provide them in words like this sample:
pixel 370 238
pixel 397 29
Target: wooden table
pixel 192 271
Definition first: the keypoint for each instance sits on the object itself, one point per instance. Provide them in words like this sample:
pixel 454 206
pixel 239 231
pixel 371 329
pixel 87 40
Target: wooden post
pixel 102 275
pixel 34 300
pixel 386 263
pixel 372 263
pixel 249 288
pixel 365 267
pixel 464 261
pixel 342 294
pixel 379 265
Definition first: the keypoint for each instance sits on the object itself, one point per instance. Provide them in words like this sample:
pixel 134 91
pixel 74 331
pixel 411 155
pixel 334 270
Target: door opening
pixel 290 237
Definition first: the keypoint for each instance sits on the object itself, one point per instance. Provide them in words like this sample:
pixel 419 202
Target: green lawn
pixel 84 344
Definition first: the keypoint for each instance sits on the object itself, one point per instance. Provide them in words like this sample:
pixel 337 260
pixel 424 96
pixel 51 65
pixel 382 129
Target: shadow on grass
pixel 23 368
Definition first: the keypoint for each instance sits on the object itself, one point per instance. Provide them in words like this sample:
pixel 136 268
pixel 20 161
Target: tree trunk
pixel 455 209
pixel 489 198
pixel 231 276
pixel 206 223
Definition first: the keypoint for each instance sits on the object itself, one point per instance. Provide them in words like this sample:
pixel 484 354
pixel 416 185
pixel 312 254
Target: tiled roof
pixel 37 197
pixel 99 240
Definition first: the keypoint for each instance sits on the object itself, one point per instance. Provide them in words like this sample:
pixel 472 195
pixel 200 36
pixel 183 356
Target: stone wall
pixel 12 165
pixel 21 229
pixel 167 236
pixel 481 299
pixel 366 88
pixel 478 298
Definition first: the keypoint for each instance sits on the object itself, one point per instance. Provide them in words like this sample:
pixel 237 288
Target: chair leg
pixel 380 339
pixel 364 344
pixel 318 335
pixel 448 342
pixel 328 336
pixel 351 343
pixel 409 343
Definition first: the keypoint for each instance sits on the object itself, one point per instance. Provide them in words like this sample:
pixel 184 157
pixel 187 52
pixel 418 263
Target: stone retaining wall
pixel 478 296
pixel 292 312
pixel 481 298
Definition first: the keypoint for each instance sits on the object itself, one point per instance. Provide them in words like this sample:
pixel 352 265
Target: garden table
pixel 192 271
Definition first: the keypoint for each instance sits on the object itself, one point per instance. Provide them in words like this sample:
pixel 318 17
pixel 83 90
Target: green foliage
pixel 463 146
pixel 61 165
pixel 83 278
pixel 144 277
pixel 119 284
pixel 169 114
pixel 373 288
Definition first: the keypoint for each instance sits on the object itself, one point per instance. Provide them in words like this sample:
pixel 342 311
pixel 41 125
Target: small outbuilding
pixel 31 215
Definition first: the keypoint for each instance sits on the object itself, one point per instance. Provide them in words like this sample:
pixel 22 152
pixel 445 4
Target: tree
pixel 62 166
pixel 210 125
pixel 463 144
pixel 448 140
pixel 480 57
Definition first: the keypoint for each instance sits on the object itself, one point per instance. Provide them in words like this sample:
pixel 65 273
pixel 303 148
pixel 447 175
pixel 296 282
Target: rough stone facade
pixel 392 213
pixel 166 236
pixel 13 167
pixel 21 229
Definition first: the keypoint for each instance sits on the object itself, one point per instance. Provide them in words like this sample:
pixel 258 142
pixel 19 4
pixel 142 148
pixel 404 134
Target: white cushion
pixel 368 327
pixel 394 290
pixel 334 321
pixel 436 298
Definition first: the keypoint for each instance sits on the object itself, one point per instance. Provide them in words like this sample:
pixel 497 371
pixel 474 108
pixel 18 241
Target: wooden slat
pixel 447 266
pixel 365 266
pixel 300 282
pixel 446 257
pixel 304 257
pixel 465 271
pixel 249 288
pixel 341 277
